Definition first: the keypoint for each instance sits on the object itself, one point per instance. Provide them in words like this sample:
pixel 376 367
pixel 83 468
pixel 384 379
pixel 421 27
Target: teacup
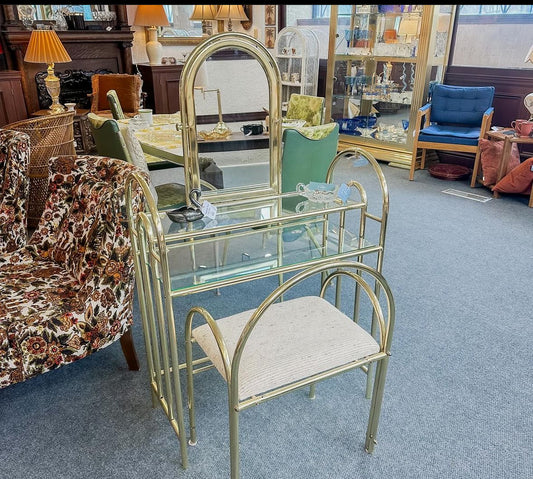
pixel 515 123
pixel 524 128
pixel 146 115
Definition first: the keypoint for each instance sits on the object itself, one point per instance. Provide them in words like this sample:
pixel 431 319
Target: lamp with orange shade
pixel 231 12
pixel 205 13
pixel 46 47
pixel 152 16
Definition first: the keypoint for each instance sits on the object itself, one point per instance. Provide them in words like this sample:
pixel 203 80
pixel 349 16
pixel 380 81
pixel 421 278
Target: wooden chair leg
pixel 128 348
pixel 423 159
pixel 475 171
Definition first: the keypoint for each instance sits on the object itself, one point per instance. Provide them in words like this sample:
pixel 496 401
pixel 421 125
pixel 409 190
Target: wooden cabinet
pixel 381 61
pixel 12 105
pixel 161 83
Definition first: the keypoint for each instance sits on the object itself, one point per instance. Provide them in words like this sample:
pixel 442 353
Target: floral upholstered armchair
pixel 14 189
pixel 69 291
pixel 306 107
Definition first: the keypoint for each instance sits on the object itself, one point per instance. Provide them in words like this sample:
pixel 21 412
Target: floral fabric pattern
pixel 14 189
pixel 69 291
pixel 306 107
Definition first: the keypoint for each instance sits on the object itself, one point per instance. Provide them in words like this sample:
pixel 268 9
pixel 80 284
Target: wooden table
pixel 508 136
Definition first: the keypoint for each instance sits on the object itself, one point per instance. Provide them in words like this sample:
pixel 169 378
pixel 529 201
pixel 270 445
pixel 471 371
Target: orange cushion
pixel 491 156
pixel 128 90
pixel 519 180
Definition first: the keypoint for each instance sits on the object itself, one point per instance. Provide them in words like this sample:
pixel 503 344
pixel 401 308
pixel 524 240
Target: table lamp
pixel 152 16
pixel 205 13
pixel 46 47
pixel 231 12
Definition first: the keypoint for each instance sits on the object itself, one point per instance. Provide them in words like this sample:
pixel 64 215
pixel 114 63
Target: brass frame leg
pixel 375 405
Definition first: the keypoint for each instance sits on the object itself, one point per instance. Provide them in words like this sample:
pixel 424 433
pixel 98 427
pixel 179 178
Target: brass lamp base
pixel 53 87
pixel 222 129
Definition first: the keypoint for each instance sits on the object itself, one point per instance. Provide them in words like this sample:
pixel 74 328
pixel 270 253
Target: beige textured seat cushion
pixel 293 340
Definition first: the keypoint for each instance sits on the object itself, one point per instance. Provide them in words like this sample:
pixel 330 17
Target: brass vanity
pixel 257 230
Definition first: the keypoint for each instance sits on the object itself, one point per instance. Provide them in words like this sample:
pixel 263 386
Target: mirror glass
pixel 180 25
pixel 233 91
pixel 229 83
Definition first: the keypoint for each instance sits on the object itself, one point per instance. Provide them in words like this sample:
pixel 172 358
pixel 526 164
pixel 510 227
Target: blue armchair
pixel 454 120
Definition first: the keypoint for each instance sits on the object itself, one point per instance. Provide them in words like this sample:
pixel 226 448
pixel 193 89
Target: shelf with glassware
pixel 380 62
pixel 296 51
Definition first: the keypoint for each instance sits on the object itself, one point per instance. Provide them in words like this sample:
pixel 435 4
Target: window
pixel 493 36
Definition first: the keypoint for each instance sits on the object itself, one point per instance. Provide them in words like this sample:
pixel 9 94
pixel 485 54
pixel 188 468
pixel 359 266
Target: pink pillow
pixel 519 180
pixel 491 156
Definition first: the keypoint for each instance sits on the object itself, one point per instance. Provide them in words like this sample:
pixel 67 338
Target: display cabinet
pixel 296 51
pixel 381 60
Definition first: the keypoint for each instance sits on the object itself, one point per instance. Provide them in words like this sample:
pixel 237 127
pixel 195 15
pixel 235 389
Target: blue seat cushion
pixel 462 135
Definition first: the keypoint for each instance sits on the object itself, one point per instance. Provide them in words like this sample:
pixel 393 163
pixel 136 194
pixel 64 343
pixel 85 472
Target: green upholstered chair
pixel 110 141
pixel 307 154
pixel 306 107
pixel 115 106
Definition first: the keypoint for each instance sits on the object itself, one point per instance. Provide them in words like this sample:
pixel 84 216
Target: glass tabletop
pixel 260 237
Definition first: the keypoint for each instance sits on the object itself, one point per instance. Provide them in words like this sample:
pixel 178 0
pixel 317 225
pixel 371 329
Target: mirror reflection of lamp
pixel 205 13
pixel 231 12
pixel 221 130
pixel 46 47
pixel 152 16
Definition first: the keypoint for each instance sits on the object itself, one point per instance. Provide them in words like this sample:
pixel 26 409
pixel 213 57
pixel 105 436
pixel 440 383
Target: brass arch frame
pixel 256 49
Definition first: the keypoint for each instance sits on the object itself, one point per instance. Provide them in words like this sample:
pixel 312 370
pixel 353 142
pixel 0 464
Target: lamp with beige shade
pixel 46 47
pixel 231 12
pixel 152 16
pixel 205 13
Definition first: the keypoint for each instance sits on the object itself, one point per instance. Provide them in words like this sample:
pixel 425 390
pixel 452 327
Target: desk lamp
pixel 231 12
pixel 46 47
pixel 152 16
pixel 221 130
pixel 205 13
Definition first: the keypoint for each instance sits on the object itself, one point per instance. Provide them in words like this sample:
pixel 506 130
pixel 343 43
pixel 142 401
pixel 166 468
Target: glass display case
pixel 296 50
pixel 381 61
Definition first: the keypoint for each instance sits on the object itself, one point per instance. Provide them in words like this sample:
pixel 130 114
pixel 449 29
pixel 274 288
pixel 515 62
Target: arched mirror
pixel 248 159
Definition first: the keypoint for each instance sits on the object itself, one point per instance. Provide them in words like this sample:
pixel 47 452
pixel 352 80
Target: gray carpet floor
pixel 458 398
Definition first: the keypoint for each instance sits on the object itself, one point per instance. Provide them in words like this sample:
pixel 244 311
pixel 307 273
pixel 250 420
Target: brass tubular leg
pixel 312 390
pixel 234 441
pixel 375 406
pixel 190 386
